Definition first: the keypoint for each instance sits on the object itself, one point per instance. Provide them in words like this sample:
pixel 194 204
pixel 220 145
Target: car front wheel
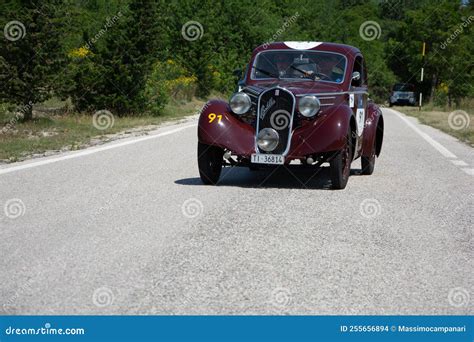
pixel 209 163
pixel 340 165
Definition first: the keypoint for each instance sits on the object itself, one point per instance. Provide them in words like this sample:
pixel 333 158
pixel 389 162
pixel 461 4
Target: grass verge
pixel 459 124
pixel 50 132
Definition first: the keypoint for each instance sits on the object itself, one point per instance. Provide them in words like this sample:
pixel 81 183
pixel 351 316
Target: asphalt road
pixel 127 228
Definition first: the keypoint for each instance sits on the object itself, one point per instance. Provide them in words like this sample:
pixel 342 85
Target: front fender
pixel 372 121
pixel 326 133
pixel 226 131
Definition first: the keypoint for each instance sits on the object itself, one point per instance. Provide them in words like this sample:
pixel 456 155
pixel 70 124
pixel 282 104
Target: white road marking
pixel 29 165
pixel 441 149
pixel 468 171
pixel 459 162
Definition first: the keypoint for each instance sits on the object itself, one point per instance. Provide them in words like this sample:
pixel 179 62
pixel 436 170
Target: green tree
pixel 227 32
pixel 349 29
pixel 113 76
pixel 445 28
pixel 30 51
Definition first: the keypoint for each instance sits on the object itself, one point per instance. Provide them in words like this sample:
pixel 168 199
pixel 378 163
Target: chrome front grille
pixel 276 109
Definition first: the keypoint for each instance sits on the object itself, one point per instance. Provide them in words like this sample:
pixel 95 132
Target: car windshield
pixel 311 65
pixel 403 87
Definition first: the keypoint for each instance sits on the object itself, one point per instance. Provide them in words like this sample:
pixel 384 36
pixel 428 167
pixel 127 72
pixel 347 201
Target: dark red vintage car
pixel 300 103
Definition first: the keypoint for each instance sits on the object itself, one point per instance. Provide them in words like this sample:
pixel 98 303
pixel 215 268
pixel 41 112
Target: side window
pixel 358 67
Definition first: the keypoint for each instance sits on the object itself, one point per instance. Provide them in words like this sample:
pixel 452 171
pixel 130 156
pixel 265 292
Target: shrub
pixel 168 80
pixel 441 95
pixel 111 74
pixel 156 93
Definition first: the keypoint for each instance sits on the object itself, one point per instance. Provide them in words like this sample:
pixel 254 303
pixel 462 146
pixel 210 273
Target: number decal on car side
pixel 213 116
pixel 360 118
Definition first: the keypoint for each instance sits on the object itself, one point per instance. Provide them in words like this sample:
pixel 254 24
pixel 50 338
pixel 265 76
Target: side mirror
pixel 237 73
pixel 356 76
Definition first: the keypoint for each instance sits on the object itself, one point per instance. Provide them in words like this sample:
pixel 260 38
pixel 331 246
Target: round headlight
pixel 309 106
pixel 267 139
pixel 240 103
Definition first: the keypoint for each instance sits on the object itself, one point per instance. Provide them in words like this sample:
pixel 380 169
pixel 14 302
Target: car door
pixel 358 99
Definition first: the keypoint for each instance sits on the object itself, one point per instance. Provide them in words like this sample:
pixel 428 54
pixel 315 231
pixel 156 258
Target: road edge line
pixel 89 151
pixel 440 148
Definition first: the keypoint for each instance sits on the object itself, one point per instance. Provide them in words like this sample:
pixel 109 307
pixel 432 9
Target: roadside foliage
pixel 132 57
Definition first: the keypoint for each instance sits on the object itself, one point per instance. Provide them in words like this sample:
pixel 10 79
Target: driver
pixel 304 68
pixel 328 65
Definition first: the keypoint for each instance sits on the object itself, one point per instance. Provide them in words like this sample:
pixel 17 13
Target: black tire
pixel 368 163
pixel 340 165
pixel 209 163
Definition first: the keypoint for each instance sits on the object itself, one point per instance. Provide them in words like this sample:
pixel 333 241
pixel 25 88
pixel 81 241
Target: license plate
pixel 274 159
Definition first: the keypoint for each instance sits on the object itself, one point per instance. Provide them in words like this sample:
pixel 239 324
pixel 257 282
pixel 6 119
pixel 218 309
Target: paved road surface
pixel 127 228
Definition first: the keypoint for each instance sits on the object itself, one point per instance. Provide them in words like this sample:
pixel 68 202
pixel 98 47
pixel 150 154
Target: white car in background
pixel 403 94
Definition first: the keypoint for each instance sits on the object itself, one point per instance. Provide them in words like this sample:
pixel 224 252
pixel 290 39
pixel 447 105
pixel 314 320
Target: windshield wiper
pixel 305 73
pixel 268 73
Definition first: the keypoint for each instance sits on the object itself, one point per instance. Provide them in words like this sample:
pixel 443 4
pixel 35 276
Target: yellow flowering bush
pixel 182 88
pixel 443 87
pixel 81 52
pixel 169 80
pixel 441 94
pixel 221 76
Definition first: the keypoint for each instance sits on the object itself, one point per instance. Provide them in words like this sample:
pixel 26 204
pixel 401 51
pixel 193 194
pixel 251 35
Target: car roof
pixel 309 45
